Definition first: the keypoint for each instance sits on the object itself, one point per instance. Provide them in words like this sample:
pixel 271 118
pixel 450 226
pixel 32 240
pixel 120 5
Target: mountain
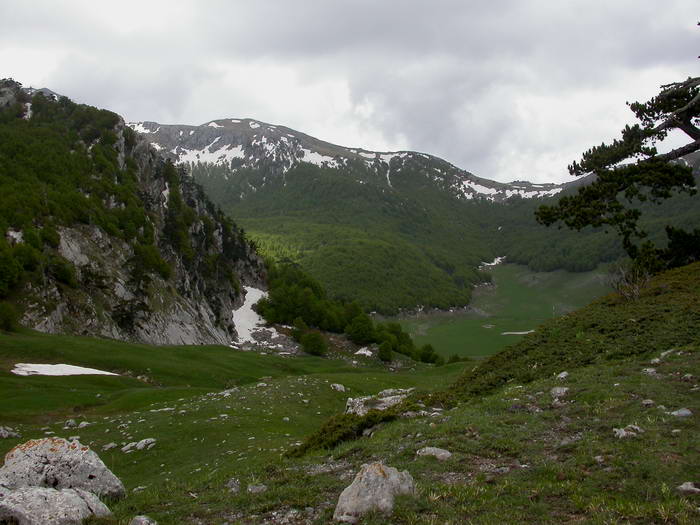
pixel 241 144
pixel 103 236
pixel 391 230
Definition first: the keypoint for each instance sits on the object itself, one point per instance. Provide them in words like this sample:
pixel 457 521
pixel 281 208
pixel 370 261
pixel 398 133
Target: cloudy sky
pixel 507 89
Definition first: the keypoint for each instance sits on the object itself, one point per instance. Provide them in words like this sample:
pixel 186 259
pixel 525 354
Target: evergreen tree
pixel 651 176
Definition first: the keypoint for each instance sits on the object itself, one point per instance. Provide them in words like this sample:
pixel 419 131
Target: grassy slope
pixel 519 301
pixel 517 456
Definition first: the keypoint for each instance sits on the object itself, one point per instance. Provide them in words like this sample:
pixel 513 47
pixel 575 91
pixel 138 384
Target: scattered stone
pixel 676 431
pixel 655 361
pixel 439 453
pixel 364 351
pixel 682 412
pixel 570 440
pixel 558 392
pixel 47 506
pixel 257 489
pixel 109 446
pixel 233 485
pixel 648 403
pixel 383 400
pixel 562 375
pixel 140 488
pixel 628 432
pixel 373 488
pixel 7 432
pixel 84 424
pixel 338 387
pixel 599 459
pixel 285 419
pixel 147 443
pixel 60 464
pixel 142 520
pixel 70 423
pixel 688 488
pixel 687 377
pixel 651 372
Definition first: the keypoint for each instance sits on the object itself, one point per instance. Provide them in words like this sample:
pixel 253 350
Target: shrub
pixel 385 353
pixel 9 318
pixel 64 271
pixel 314 343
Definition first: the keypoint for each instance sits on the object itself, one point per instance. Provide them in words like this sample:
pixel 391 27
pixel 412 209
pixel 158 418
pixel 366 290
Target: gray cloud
pixel 509 89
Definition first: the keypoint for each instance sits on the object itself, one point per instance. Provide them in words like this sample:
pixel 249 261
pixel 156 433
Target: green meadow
pixel 519 300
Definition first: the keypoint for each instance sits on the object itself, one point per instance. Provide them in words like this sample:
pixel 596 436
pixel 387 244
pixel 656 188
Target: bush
pixel 314 343
pixel 148 258
pixel 361 330
pixel 9 318
pixel 64 271
pixel 385 353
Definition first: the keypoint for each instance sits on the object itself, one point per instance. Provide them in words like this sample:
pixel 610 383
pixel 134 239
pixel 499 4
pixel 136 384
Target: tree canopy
pixel 630 170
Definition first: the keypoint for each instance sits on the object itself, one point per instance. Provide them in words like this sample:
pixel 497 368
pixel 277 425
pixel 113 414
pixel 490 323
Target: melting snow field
pixel 29 369
pixel 497 260
pixel 247 321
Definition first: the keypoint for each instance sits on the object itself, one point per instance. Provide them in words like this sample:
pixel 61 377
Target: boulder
pixel 383 400
pixel 60 464
pixel 683 412
pixel 439 453
pixel 142 520
pixel 338 387
pixel 559 391
pixel 628 432
pixel 46 506
pixel 233 485
pixel 257 489
pixel 374 488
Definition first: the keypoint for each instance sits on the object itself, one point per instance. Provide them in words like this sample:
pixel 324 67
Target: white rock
pixel 648 403
pixel 562 375
pixel 688 488
pixel 57 463
pixel 109 446
pixel 374 488
pixel 627 432
pixel 47 506
pixel 70 423
pixel 439 453
pixel 7 432
pixel 655 361
pixel 142 520
pixel 148 442
pixel 257 489
pixel 83 424
pixel 559 391
pixel 682 412
pixel 338 387
pixel 382 401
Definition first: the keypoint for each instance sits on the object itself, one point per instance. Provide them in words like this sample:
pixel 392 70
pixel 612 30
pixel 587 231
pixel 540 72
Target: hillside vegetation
pixel 517 450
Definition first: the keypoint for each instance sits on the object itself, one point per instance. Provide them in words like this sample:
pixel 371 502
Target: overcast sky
pixel 507 89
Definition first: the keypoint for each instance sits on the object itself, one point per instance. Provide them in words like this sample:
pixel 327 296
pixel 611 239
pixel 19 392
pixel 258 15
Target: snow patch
pixel 140 128
pixel 319 160
pixel 214 125
pixel 235 121
pixel 29 369
pixel 517 333
pixel 483 190
pixel 497 260
pixel 246 320
pixel 254 125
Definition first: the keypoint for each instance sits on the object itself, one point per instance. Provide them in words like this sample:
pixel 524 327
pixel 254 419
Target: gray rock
pixel 60 464
pixel 233 485
pixel 383 400
pixel 648 403
pixel 84 424
pixel 628 432
pixel 559 391
pixel 682 412
pixel 148 443
pixel 439 453
pixel 109 446
pixel 7 432
pixel 46 506
pixel 338 387
pixel 374 488
pixel 257 489
pixel 562 375
pixel 142 520
pixel 688 488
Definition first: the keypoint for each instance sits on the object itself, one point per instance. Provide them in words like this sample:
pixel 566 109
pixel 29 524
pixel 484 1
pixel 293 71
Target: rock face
pixel 171 277
pixel 383 400
pixel 59 464
pixel 46 506
pixel 374 488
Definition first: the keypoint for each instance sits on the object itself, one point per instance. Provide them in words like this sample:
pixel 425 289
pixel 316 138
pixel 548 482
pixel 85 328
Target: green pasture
pixel 519 300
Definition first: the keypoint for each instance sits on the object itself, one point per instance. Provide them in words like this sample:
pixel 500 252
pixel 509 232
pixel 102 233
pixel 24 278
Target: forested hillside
pixel 103 236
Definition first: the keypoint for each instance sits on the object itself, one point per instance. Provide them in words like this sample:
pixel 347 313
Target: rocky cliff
pixel 142 254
